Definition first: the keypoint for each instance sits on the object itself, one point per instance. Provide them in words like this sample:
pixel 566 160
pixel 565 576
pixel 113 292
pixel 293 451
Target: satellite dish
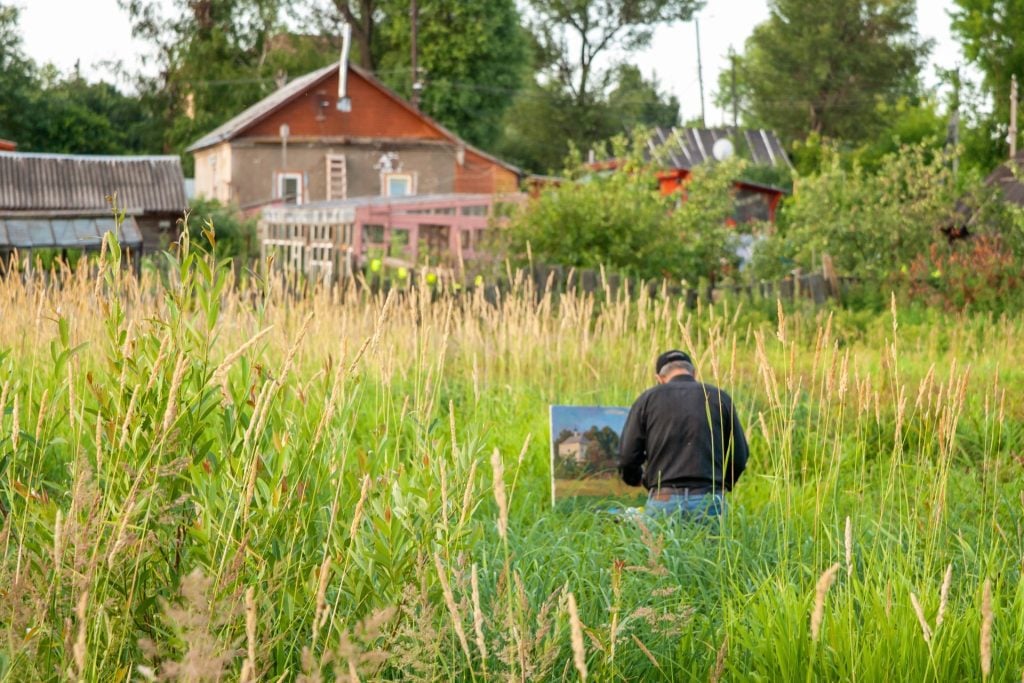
pixel 723 149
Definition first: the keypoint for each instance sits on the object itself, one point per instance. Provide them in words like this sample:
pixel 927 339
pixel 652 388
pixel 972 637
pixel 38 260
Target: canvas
pixel 584 452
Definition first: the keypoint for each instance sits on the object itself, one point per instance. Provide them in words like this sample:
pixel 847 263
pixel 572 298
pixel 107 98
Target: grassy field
pixel 206 481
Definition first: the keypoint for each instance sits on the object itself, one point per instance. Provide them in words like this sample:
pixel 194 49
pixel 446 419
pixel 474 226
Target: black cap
pixel 672 356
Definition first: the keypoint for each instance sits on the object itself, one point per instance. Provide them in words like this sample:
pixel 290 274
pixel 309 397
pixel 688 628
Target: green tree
pixel 872 223
pixel 989 32
pixel 545 120
pixel 44 111
pixel 215 58
pixel 17 76
pixel 573 34
pixel 73 116
pixel 473 59
pixel 620 220
pixel 635 101
pixel 824 66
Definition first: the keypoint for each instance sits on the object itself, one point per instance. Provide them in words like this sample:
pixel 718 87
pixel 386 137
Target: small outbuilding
pixel 67 202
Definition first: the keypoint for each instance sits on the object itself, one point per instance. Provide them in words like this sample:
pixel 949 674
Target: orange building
pixel 301 144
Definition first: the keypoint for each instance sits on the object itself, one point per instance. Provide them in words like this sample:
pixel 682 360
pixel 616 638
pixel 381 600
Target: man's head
pixel 671 364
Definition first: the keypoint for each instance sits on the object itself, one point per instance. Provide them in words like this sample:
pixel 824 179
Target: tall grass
pixel 205 479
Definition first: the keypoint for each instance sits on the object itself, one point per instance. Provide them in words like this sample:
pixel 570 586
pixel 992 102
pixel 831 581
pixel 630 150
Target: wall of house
pixel 256 166
pixel 213 172
pixel 477 174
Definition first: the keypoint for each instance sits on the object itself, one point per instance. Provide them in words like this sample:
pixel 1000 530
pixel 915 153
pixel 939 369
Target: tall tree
pixel 17 73
pixel 573 34
pixel 989 31
pixel 44 111
pixel 545 120
pixel 362 16
pixel 823 66
pixel 215 58
pixel 472 57
pixel 635 101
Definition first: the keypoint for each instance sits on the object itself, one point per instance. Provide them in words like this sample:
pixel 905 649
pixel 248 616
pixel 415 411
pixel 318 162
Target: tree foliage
pixel 620 220
pixel 572 34
pixel 473 59
pixel 42 110
pixel 989 33
pixel 872 224
pixel 824 67
pixel 545 121
pixel 215 58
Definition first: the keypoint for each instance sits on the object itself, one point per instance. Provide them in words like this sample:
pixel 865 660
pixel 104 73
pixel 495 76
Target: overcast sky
pixel 96 31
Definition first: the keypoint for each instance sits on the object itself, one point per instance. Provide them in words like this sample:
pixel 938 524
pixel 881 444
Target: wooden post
pixel 1013 117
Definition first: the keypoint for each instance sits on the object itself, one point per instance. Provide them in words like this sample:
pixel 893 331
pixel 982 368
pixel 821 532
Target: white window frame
pixel 282 177
pixel 385 186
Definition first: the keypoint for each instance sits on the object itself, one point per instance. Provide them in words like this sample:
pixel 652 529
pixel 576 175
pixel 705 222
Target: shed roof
pixel 689 147
pixel 1007 178
pixel 83 232
pixel 68 182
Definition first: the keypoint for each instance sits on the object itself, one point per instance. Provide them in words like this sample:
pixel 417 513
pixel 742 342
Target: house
pixel 7 145
pixel 687 148
pixel 575 448
pixel 679 150
pixel 304 143
pixel 63 201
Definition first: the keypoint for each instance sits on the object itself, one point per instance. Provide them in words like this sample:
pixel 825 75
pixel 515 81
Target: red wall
pixel 374 114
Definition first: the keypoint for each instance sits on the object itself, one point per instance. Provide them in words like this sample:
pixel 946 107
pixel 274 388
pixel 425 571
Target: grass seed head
pixel 925 629
pixel 579 654
pixel 947 581
pixel 499 493
pixel 821 590
pixel 986 629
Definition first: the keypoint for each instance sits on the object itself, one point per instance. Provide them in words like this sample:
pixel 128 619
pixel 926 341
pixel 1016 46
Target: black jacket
pixel 689 435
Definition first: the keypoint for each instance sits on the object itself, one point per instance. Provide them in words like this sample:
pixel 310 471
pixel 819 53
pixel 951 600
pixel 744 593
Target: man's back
pixel 689 435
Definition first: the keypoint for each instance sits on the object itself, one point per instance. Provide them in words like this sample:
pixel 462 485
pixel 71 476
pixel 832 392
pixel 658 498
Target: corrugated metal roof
pixel 59 233
pixel 232 127
pixel 689 147
pixel 65 182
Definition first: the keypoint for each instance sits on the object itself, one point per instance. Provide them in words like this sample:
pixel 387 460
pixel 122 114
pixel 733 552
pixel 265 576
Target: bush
pixel 620 220
pixel 234 234
pixel 980 274
pixel 871 223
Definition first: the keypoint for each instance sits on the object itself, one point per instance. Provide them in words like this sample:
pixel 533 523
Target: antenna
pixel 700 74
pixel 344 102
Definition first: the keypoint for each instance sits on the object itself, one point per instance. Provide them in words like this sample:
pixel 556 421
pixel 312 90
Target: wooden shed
pixel 67 201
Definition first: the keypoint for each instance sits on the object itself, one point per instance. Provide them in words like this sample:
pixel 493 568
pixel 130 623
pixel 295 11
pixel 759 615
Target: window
pixel 397 184
pixel 373 234
pixel 289 187
pixel 337 177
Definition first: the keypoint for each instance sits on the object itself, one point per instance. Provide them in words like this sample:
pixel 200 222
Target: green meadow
pixel 205 478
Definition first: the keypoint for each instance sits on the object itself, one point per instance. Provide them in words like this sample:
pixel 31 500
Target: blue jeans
pixel 694 506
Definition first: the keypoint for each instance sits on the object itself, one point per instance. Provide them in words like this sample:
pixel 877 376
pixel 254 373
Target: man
pixel 690 437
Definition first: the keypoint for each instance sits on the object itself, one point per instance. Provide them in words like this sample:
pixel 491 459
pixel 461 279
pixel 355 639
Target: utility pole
pixel 1013 117
pixel 954 123
pixel 700 75
pixel 735 95
pixel 416 85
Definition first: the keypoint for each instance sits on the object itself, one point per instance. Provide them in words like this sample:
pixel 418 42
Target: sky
pixel 95 32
